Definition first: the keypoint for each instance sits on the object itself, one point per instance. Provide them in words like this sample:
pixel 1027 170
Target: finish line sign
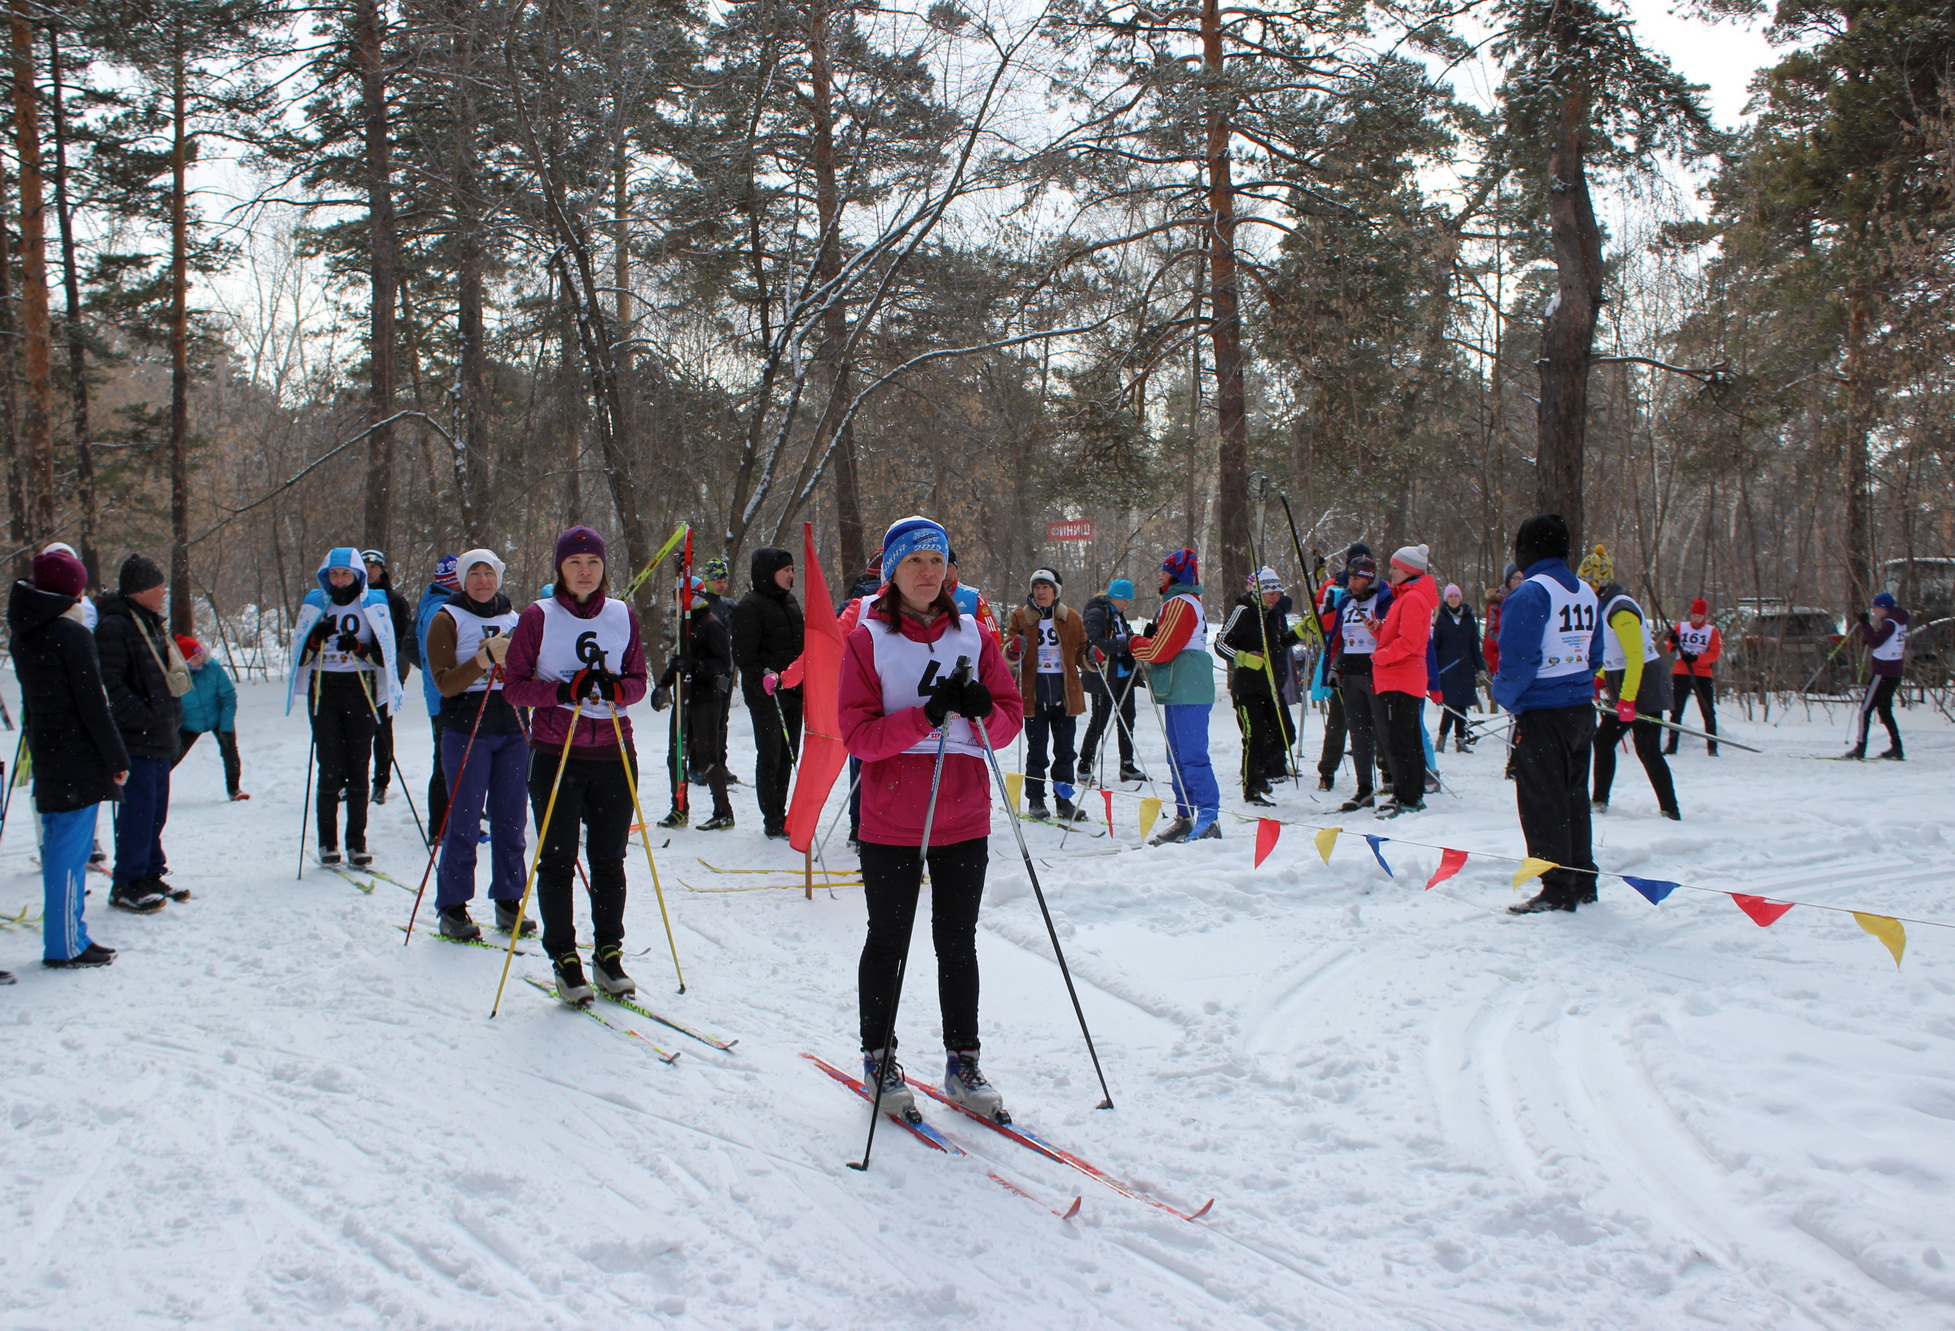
pixel 1069 531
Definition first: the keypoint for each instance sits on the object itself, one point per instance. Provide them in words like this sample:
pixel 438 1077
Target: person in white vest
pixel 1698 645
pixel 1549 641
pixel 899 698
pixel 467 641
pixel 1181 679
pixel 1636 687
pixel 1883 628
pixel 576 657
pixel 343 653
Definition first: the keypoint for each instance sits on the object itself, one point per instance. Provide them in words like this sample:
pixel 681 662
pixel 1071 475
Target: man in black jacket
pixel 134 650
pixel 1110 683
pixel 79 759
pixel 1256 642
pixel 766 640
pixel 704 662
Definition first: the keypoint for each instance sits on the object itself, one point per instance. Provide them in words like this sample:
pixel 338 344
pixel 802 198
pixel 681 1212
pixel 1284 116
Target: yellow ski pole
pixel 542 832
pixel 645 837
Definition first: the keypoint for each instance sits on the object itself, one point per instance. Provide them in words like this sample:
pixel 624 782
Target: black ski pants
pixel 383 751
pixel 1647 736
pixel 1879 701
pixel 593 797
pixel 1551 761
pixel 892 878
pixel 1266 737
pixel 776 741
pixel 227 747
pixel 1104 692
pixel 437 781
pixel 705 747
pixel 1048 748
pixel 1681 689
pixel 1332 755
pixel 1365 720
pixel 342 729
pixel 1405 745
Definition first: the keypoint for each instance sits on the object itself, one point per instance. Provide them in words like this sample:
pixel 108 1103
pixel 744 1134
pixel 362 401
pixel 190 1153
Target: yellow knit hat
pixel 1597 567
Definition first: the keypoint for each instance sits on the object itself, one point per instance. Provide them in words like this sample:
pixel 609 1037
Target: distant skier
pixel 1401 676
pixel 704 662
pixel 715 575
pixel 897 698
pixel 577 659
pixel 408 655
pixel 767 638
pixel 1883 628
pixel 1110 682
pixel 1181 678
pixel 343 653
pixel 1045 642
pixel 970 601
pixel 1549 642
pixel 1697 644
pixel 1635 687
pixel 1360 607
pixel 1255 641
pixel 1456 644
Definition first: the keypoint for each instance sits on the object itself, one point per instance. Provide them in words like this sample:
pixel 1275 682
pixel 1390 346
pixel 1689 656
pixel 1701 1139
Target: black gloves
pixel 661 698
pixel 1864 618
pixel 944 698
pixel 969 698
pixel 1688 658
pixel 974 700
pixel 601 683
pixel 348 643
pixel 316 639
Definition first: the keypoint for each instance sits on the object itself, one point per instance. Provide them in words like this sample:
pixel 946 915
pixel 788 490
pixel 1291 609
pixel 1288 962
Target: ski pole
pixel 645 836
pixel 542 833
pixel 958 676
pixel 1051 931
pixel 1683 730
pixel 399 775
pixel 312 750
pixel 10 776
pixel 441 834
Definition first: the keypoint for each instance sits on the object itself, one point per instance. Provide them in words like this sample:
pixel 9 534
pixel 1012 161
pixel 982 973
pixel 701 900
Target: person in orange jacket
pixel 1399 676
pixel 1697 644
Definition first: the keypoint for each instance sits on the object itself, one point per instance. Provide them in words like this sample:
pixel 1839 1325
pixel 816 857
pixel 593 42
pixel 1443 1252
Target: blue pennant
pixel 1374 842
pixel 1062 790
pixel 1654 888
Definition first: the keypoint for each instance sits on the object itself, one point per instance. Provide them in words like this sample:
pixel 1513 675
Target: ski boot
pixel 897 1098
pixel 359 856
pixel 677 818
pixel 137 895
pixel 1206 827
pixel 1176 831
pixel 607 968
pixel 1362 800
pixel 173 893
pixel 329 856
pixel 1894 755
pixel 1037 810
pixel 92 955
pixel 719 822
pixel 1326 783
pixel 506 918
pixel 1128 772
pixel 454 923
pixel 571 989
pixel 966 1084
pixel 1070 812
pixel 1259 798
pixel 1857 753
pixel 380 794
pixel 1536 905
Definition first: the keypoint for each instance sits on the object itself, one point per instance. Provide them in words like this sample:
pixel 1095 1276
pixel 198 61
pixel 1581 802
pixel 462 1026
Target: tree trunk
pixel 1568 330
pixel 77 347
pixel 181 618
pixel 470 446
pixel 1225 326
pixel 37 358
pixel 384 263
pixel 834 316
pixel 10 387
pixel 1855 428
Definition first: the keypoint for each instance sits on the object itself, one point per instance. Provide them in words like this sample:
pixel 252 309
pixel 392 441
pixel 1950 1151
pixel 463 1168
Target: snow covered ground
pixel 1412 1109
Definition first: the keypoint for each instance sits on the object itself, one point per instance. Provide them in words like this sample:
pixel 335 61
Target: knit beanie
pixel 1411 558
pixel 1046 575
pixel 1699 607
pixel 448 573
pixel 1362 566
pixel 1183 567
pixel 1120 589
pixel 139 573
pixel 1597 567
pixel 911 535
pixel 189 646
pixel 1452 590
pixel 1267 581
pixel 1543 536
pixel 59 573
pixel 578 541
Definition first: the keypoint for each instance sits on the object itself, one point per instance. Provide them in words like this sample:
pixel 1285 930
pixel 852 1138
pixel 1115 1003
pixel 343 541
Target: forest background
pixel 426 274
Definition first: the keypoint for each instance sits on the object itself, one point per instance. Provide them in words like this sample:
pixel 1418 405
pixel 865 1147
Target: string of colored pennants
pixel 1764 912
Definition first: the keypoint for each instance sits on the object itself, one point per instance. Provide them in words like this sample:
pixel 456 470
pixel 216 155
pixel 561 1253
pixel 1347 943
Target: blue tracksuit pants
pixel 496 778
pixel 139 827
pixel 1195 790
pixel 66 839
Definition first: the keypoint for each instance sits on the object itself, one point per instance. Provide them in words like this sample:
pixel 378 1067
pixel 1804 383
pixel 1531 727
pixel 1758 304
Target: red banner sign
pixel 1069 531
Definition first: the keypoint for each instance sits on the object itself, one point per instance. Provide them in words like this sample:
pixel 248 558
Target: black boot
pixel 506 918
pixel 1536 905
pixel 571 987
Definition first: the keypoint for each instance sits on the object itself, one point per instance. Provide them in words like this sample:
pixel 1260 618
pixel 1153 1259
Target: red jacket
pixel 1705 660
pixel 549 723
pixel 1490 633
pixel 1399 663
pixel 895 783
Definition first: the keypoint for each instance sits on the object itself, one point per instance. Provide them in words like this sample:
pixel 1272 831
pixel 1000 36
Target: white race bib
pixel 345 619
pixel 1612 653
pixel 471 629
pixel 1048 647
pixel 1570 629
pixel 909 670
pixel 571 644
pixel 1358 637
pixel 1895 646
pixel 1694 640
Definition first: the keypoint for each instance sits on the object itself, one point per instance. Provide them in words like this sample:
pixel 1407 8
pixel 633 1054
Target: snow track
pixel 1413 1109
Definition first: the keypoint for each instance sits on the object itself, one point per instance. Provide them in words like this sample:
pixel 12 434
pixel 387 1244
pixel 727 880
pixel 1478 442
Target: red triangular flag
pixel 1267 830
pixel 1762 912
pixel 1107 795
pixel 822 750
pixel 1450 863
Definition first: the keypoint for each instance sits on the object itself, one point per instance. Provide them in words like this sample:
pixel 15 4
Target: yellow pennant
pixel 1888 931
pixel 1150 809
pixel 1014 783
pixel 1325 839
pixel 1532 868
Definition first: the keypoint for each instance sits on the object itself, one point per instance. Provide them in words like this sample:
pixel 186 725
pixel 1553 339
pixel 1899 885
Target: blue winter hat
pixel 448 573
pixel 1120 589
pixel 907 536
pixel 1182 567
pixel 1885 601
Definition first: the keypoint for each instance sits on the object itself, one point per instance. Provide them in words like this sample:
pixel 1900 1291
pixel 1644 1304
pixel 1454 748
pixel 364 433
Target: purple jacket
pixel 1876 634
pixel 549 724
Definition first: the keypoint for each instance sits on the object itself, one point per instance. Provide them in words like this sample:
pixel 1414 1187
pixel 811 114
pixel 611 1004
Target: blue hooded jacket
pixel 380 619
pixel 432 600
pixel 1523 618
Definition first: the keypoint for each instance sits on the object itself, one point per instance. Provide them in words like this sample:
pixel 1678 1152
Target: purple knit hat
pixel 59 573
pixel 578 541
pixel 1182 567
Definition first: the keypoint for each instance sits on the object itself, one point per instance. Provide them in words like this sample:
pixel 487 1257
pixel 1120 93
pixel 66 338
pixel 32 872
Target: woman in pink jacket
pixel 1399 679
pixel 898 702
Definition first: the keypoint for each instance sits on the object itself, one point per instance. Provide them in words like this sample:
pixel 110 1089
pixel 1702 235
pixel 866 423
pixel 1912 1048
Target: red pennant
pixel 1107 795
pixel 1450 863
pixel 1267 830
pixel 1762 912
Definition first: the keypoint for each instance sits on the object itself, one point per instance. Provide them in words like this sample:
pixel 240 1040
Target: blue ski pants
pixel 139 827
pixel 496 777
pixel 1195 790
pixel 66 839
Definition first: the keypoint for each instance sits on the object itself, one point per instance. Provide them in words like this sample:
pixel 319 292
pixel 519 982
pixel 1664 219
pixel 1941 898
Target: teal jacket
pixel 1180 670
pixel 212 704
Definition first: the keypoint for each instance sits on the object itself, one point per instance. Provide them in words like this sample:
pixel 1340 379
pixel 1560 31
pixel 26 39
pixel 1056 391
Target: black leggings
pixel 1879 701
pixel 227 745
pixel 892 878
pixel 1682 687
pixel 1647 737
pixel 592 796
pixel 343 727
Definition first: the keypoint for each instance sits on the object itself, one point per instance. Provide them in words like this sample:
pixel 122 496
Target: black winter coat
pixel 1107 630
pixel 139 699
pixel 707 662
pixel 70 733
pixel 1260 631
pixel 766 625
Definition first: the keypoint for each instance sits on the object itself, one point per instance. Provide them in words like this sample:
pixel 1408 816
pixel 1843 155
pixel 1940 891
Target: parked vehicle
pixel 1772 645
